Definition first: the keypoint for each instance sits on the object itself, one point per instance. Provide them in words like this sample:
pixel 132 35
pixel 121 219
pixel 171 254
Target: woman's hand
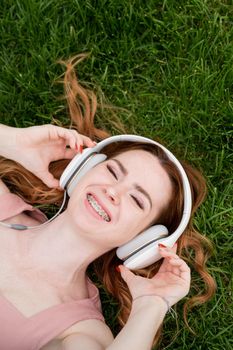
pixel 171 282
pixel 37 146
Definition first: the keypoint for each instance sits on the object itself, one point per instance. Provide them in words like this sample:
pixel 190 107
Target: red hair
pixel 193 247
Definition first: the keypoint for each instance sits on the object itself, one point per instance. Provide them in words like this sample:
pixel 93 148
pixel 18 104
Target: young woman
pixel 46 299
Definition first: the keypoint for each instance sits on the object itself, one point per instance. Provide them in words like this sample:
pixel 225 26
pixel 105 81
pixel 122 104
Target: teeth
pixel 98 208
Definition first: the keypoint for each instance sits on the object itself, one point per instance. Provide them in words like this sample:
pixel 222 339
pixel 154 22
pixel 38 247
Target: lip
pixel 101 204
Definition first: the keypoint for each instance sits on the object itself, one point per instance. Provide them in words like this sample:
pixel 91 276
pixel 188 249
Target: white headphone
pixel 143 250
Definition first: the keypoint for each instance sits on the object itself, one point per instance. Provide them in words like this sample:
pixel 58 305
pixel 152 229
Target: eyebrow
pixel 136 186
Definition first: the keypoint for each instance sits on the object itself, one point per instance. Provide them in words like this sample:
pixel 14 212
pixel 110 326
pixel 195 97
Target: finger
pixel 58 154
pixel 56 132
pixel 82 140
pixel 85 140
pixel 176 262
pixel 167 252
pixel 173 266
pixel 88 142
pixel 48 179
pixel 174 248
pixel 169 249
pixel 184 270
pixel 78 145
pixel 165 267
pixel 126 274
pixel 69 153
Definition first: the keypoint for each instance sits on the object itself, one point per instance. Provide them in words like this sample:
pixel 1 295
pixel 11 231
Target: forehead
pixel 140 162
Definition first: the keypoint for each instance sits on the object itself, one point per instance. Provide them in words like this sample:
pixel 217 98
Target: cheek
pixel 93 177
pixel 137 224
pixel 130 228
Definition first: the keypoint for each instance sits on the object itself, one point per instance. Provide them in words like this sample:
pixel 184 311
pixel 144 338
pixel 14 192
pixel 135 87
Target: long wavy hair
pixel 193 247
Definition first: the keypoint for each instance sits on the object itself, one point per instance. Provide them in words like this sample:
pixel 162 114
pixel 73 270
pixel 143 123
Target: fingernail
pixel 161 245
pixel 117 268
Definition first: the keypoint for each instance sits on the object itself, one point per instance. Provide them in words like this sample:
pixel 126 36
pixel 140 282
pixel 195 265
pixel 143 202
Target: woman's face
pixel 119 198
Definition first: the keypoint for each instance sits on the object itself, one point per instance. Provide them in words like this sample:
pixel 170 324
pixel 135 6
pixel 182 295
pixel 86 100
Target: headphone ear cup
pixel 91 163
pixel 70 170
pixel 149 236
pixel 145 257
pixel 78 167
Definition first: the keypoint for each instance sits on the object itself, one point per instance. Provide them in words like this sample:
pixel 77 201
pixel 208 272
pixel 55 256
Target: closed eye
pixel 139 204
pixel 110 169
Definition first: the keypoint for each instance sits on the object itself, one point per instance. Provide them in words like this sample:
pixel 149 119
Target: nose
pixel 113 194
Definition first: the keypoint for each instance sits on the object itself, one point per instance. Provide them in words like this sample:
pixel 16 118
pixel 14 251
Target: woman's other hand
pixel 37 146
pixel 171 282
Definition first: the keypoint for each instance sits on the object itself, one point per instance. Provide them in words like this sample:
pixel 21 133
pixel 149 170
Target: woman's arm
pixel 7 140
pixel 151 299
pixel 145 318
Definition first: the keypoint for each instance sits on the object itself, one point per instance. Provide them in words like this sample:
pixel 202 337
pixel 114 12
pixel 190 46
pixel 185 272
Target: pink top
pixel 18 332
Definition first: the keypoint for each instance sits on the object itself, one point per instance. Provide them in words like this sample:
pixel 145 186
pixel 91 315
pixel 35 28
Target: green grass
pixel 170 64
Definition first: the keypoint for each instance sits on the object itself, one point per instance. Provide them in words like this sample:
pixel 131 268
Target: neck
pixel 58 252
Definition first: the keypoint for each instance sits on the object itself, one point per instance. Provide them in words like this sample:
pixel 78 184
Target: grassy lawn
pixel 169 64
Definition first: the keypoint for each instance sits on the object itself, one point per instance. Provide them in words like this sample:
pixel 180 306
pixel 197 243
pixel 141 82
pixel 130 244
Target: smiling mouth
pixel 98 209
